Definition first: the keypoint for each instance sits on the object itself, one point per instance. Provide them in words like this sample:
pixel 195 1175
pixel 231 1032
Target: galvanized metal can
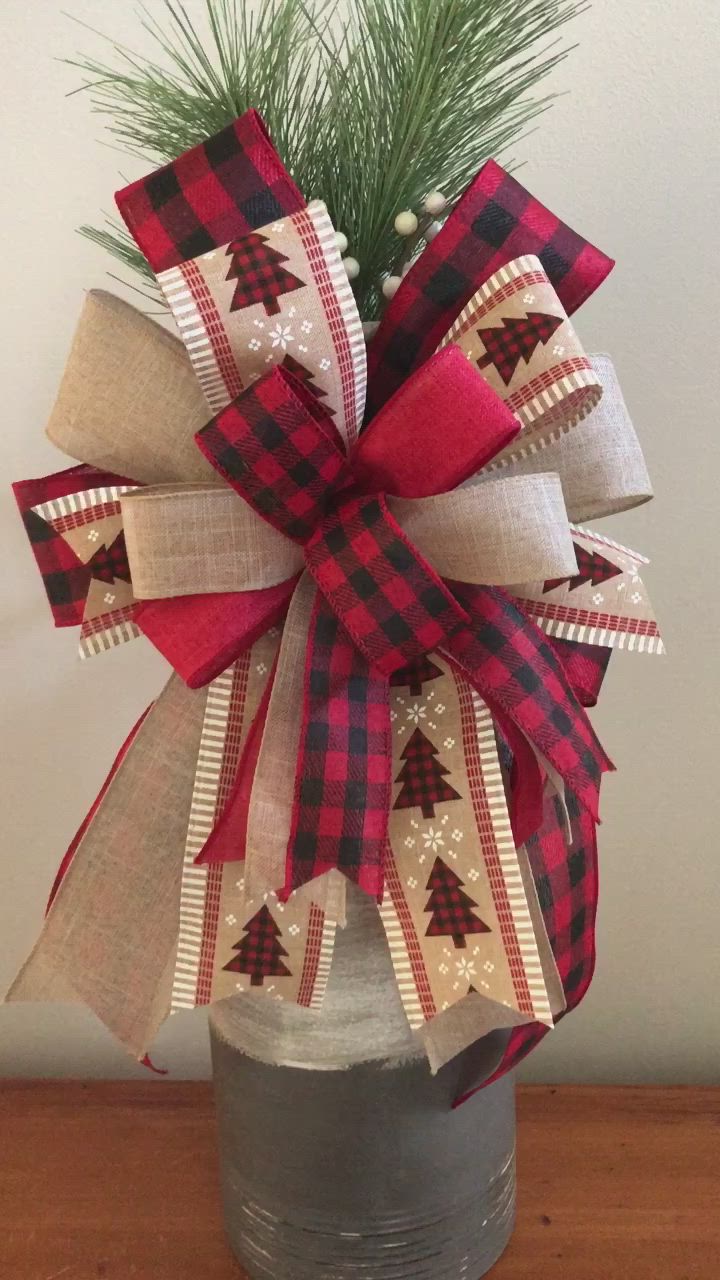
pixel 363 1172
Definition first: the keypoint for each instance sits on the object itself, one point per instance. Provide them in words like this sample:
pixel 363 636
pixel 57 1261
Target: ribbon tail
pixel 344 770
pixel 585 667
pixel 508 661
pixel 201 636
pixel 228 839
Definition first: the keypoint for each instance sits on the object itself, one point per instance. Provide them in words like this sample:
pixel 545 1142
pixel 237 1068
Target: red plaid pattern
pixel 275 445
pixel 509 661
pixel 260 276
pixel 566 878
pixel 496 220
pixel 585 666
pixel 259 954
pixel 592 568
pixel 388 597
pixel 422 777
pixel 517 339
pixel 224 187
pixel 65 578
pixel 342 786
pixel 453 914
pixel 109 563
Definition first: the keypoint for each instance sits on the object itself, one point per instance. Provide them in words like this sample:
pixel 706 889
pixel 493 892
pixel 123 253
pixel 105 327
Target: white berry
pixel 434 203
pixel 390 286
pixel 406 223
pixel 431 231
pixel 341 242
pixel 352 268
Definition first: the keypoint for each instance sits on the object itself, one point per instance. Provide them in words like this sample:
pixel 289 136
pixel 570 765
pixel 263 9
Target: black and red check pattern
pixel 515 340
pixel 585 666
pixel 260 275
pixel 508 659
pixel 259 953
pixel 388 597
pixel 566 878
pixel 65 578
pixel 343 781
pixel 592 568
pixel 275 445
pixel 225 187
pixel 111 563
pixel 496 220
pixel 453 914
pixel 422 777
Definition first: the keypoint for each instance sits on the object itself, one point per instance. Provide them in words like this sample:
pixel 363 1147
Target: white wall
pixel 630 157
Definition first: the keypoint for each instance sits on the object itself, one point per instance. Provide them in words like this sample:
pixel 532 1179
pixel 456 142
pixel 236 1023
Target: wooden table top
pixel 118 1181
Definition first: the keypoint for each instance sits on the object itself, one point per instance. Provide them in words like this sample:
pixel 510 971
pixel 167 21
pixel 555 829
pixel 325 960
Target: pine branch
pixel 369 115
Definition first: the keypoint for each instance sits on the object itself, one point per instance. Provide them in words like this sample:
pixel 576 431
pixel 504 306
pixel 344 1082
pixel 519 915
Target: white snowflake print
pixel 109 598
pixel 443 968
pixel 93 535
pixel 433 839
pixel 416 713
pixel 465 968
pixel 274 632
pixel 324 363
pixel 440 707
pixel 621 586
pixel 636 597
pixel 393 715
pixel 281 335
pixel 231 919
pixel 489 967
pixel 411 882
pixel 302 347
pixel 456 835
pixel 473 874
pixel 306 326
pixel 254 344
pixel 559 350
pixel 261 668
pixel 409 842
pixel 207 257
pixel 238 986
pixel 529 298
pixel 259 324
pixel 294 930
pixel 292 312
pixel 278 226
pixel 269 359
pixel 449 743
pixel 598 598
pixel 240 884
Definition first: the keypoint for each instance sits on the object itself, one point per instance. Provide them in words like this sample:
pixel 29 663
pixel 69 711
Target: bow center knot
pixel 279 450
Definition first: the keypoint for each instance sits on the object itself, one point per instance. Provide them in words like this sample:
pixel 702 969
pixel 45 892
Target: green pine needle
pixel 368 114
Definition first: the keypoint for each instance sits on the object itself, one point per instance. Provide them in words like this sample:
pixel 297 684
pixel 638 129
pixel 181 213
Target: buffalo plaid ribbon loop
pixel 275 445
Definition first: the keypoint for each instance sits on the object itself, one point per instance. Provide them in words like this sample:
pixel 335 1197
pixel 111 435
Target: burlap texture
pixel 129 401
pixel 600 462
pixel 111 934
pixel 199 539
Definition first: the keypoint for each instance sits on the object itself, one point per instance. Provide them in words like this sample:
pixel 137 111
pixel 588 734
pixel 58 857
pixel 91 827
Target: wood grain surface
pixel 118 1181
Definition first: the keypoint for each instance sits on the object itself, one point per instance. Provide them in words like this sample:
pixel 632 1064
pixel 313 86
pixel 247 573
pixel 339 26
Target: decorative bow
pixel 432 548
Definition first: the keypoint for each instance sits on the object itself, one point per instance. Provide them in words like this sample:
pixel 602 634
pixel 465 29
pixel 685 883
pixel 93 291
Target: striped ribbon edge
pixel 607 630
pixel 536 403
pixel 203 332
pixel 203 807
pixel 500 856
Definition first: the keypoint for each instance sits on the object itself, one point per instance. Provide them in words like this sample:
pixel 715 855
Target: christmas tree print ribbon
pixel 386 565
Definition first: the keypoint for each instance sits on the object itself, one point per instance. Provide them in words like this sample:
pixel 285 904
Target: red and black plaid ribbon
pixel 496 220
pixel 225 187
pixel 508 659
pixel 343 780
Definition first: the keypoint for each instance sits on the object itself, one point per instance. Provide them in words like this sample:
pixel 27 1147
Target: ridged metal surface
pixel 365 1173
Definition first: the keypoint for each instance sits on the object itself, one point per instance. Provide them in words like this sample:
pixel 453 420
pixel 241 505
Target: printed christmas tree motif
pixel 306 377
pixel 261 279
pixel 423 777
pixel 516 339
pixel 109 563
pixel 416 674
pixel 592 568
pixel 259 953
pixel 452 909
